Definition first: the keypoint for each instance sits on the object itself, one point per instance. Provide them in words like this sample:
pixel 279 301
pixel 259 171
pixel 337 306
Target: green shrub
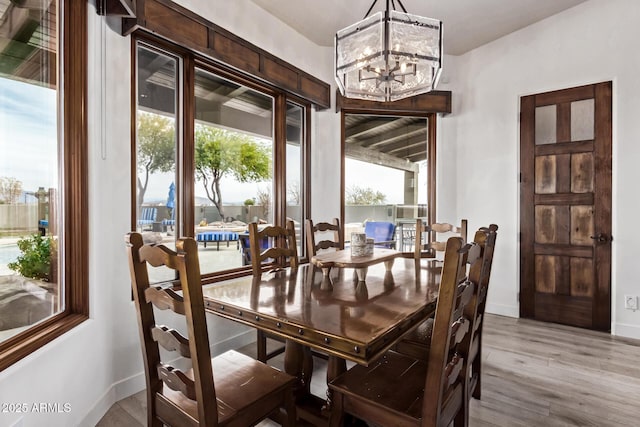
pixel 35 261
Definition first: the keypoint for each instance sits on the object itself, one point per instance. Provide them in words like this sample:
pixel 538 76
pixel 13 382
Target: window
pixel 42 296
pixel 234 168
pixel 295 171
pixel 389 164
pixel 156 148
pixel 213 156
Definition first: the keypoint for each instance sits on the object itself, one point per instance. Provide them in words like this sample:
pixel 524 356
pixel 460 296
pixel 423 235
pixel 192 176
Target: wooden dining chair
pixel 313 246
pixel 428 243
pixel 399 390
pixel 487 238
pixel 428 240
pixel 416 343
pixel 244 390
pixel 282 249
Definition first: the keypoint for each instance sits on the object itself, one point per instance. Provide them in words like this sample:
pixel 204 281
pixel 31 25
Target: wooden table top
pixel 344 259
pixel 354 321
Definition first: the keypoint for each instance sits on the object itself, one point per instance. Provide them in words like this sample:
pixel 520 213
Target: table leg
pixel 298 362
pixel 388 264
pixel 362 274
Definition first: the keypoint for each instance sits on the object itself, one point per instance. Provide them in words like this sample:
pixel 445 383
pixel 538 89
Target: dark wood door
pixel 565 206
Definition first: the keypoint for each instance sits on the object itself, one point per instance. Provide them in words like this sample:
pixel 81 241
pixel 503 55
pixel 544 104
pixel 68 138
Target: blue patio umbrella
pixel 171 198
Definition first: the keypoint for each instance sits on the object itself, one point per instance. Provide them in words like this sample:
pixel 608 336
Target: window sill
pixel 25 343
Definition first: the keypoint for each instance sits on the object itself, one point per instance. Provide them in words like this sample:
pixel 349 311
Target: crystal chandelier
pixel 389 55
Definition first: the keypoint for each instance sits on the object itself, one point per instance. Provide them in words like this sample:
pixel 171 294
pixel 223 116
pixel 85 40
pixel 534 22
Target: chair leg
pixel 261 341
pixel 461 419
pixel 337 414
pixel 290 407
pixel 477 367
pixel 477 390
pixel 154 421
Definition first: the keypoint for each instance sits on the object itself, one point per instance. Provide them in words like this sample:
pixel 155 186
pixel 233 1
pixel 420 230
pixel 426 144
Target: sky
pixel 28 121
pixel 389 181
pixel 28 140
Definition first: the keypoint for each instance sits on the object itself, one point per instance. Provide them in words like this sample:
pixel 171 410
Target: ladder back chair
pixel 427 245
pixel 399 390
pixel 314 246
pixel 487 238
pixel 416 343
pixel 281 248
pixel 244 390
pixel 427 240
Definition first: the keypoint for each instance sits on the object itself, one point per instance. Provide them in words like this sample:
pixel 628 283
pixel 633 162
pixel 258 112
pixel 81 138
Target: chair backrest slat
pixel 171 340
pixel 323 227
pixel 165 299
pixel 453 369
pixel 176 380
pixel 427 240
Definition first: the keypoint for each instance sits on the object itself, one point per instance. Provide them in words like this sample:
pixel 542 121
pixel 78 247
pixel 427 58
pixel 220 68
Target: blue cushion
pixel 148 216
pixel 216 236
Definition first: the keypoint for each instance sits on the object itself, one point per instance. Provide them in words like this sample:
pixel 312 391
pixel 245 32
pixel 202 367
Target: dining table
pixel 353 321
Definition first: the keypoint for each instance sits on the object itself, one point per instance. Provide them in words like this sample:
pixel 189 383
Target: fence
pixel 19 218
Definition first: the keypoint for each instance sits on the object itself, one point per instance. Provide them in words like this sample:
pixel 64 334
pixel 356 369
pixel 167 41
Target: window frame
pixel 185 161
pixel 72 124
pixel 431 148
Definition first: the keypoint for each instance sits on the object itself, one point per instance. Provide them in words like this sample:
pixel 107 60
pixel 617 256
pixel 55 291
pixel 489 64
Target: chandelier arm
pixel 402 6
pixel 370 9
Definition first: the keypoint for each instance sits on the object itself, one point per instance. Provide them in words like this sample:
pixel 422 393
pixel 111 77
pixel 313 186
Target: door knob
pixel 601 238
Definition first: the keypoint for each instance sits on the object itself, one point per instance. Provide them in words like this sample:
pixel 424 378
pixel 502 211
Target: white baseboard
pixel 234 342
pixel 503 310
pixel 99 408
pixel 129 386
pixel 625 330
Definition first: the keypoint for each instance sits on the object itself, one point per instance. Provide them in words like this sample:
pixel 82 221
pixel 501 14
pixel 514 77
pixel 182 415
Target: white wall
pixel 99 362
pixel 590 43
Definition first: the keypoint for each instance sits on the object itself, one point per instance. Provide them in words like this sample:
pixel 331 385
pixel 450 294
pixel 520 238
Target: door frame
pixel 603 217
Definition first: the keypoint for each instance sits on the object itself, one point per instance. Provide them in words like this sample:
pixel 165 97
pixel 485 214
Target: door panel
pixel 565 245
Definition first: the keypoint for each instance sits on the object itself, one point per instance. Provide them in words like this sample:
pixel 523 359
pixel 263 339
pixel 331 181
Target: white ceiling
pixel 467 23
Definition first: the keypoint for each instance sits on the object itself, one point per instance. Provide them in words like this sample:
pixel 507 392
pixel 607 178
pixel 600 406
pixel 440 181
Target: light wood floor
pixel 535 374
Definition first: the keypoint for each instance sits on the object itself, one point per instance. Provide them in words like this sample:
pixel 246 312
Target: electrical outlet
pixel 631 302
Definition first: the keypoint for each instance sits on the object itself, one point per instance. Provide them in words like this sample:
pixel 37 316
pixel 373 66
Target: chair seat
pixel 240 383
pixel 395 382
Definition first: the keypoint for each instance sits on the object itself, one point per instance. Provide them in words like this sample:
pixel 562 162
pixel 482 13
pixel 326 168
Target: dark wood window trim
pixel 181 26
pixel 73 54
pixel 186 192
pixel 436 101
pixel 379 111
pixel 427 105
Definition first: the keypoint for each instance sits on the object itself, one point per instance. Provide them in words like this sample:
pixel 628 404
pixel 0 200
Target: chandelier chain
pixel 393 4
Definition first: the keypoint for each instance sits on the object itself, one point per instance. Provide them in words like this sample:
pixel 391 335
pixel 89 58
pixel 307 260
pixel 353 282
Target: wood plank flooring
pixel 535 374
